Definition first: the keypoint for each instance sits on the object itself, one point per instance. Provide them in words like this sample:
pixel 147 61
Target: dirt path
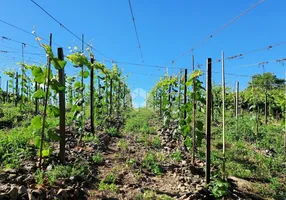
pixel 124 158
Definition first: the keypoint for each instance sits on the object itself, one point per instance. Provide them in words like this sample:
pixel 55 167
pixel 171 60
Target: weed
pixel 149 195
pixel 61 171
pixel 130 163
pixel 97 158
pixel 156 142
pixel 111 177
pixel 177 155
pixel 39 176
pixel 103 186
pixel 90 138
pixel 151 163
pixel 143 138
pixel 122 145
pixel 113 132
pixel 219 188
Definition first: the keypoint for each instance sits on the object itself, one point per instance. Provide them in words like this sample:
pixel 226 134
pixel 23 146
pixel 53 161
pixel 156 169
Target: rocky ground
pixel 123 161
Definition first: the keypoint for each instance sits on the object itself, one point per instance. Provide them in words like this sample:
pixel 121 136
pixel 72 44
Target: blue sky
pixel 166 30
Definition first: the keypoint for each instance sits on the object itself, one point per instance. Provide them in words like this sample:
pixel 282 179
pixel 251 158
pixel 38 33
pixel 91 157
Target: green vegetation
pixel 97 158
pixel 151 163
pixel 139 122
pixel 254 143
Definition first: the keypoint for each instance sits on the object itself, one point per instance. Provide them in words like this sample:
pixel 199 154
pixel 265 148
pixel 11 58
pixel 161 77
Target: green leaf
pixel 85 74
pixel 39 75
pixel 79 59
pixel 77 85
pixel 59 64
pixel 46 152
pixel 37 71
pixel 36 122
pixel 53 111
pixel 189 119
pixel 57 86
pixel 200 125
pixel 37 141
pixel 48 50
pixel 39 94
pixel 53 135
pixel 188 142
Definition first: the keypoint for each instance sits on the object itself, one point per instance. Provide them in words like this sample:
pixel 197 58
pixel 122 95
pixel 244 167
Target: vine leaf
pixel 85 74
pixel 38 73
pixel 39 94
pixel 57 86
pixel 53 111
pixel 79 60
pixel 59 64
pixel 36 123
pixel 37 141
pixel 53 135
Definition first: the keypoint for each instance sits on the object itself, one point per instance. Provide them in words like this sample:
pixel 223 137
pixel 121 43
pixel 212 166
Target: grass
pixel 138 122
pixel 97 158
pixel 15 144
pixel 65 171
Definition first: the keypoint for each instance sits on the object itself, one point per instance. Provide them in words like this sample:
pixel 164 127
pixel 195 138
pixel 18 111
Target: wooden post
pixel 285 117
pixel 98 85
pixel 212 110
pixel 255 107
pixel 236 104
pixel 118 98
pixel 71 93
pixel 110 97
pixel 169 92
pixel 265 107
pixel 161 104
pixel 22 81
pixel 36 101
pixel 2 93
pixel 82 85
pixel 223 113
pixel 92 98
pixel 7 95
pixel 194 114
pixel 17 88
pixel 124 99
pixel 99 96
pixel 62 107
pixel 179 96
pixel 106 95
pixel 185 92
pixel 208 119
